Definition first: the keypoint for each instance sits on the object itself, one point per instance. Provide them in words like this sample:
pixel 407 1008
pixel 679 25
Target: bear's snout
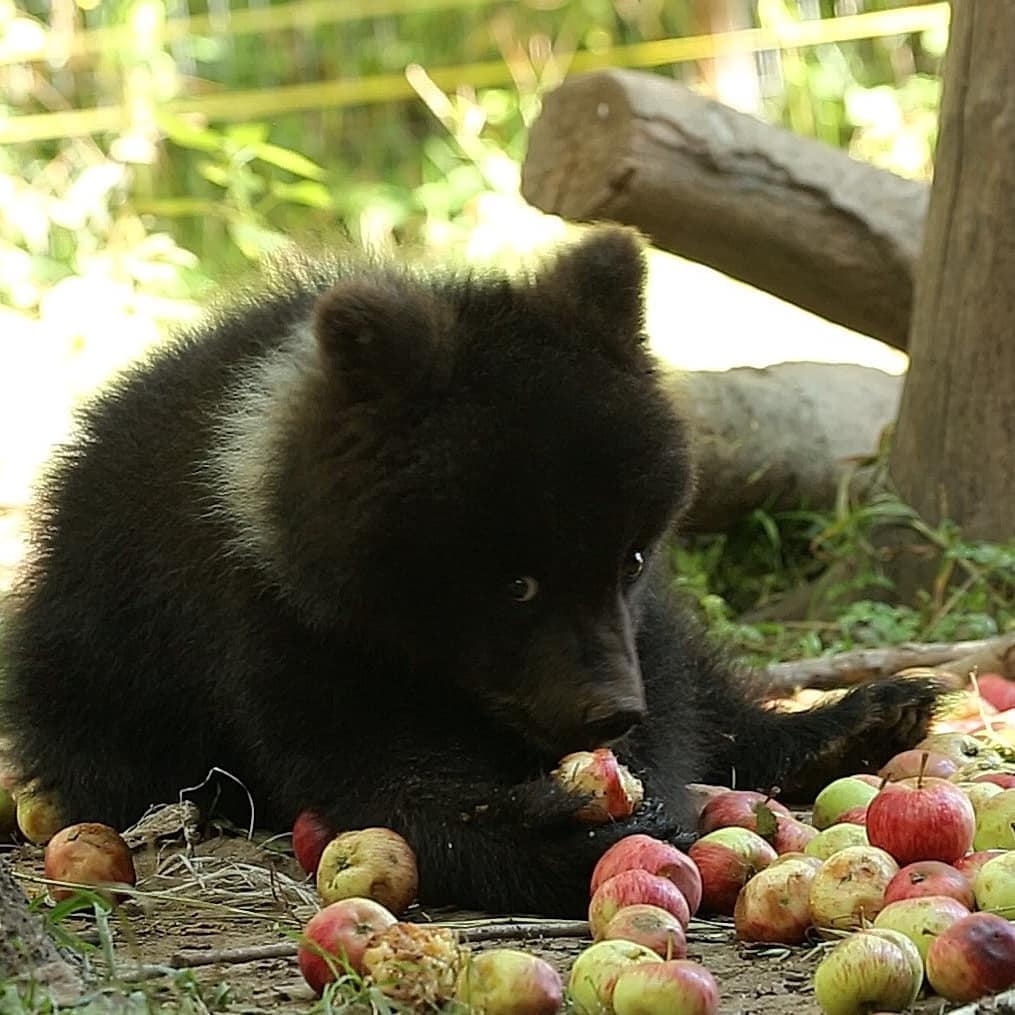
pixel 609 720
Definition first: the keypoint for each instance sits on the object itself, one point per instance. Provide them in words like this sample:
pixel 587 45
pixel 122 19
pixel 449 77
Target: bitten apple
pixel 507 981
pixel 416 964
pixel 643 852
pixel 89 854
pixel 614 791
pixel 375 863
pixel 335 938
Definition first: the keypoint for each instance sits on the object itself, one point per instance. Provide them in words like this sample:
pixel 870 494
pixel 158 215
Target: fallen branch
pixel 958 659
pixel 188 958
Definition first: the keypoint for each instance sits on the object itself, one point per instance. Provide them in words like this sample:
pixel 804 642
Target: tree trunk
pixel 954 447
pixel 787 214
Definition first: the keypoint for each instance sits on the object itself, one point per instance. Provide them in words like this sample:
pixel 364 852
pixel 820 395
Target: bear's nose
pixel 605 724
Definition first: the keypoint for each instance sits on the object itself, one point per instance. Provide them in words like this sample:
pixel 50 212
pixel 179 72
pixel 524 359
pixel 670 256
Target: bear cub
pixel 388 544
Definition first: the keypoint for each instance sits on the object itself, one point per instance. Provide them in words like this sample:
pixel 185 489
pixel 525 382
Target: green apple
pixel 995 822
pixel 921 918
pixel 994 886
pixel 596 970
pixel 676 987
pixel 840 796
pixel 849 888
pixel 831 840
pixel 872 970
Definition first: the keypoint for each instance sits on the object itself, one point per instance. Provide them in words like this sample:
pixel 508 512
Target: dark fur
pixel 315 587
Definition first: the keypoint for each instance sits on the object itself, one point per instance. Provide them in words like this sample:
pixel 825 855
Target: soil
pixel 229 892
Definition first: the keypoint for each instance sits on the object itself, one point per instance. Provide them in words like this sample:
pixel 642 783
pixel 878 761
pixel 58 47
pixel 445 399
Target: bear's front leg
pixel 800 752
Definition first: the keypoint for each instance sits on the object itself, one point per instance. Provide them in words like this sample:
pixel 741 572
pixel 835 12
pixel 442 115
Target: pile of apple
pixel 918 861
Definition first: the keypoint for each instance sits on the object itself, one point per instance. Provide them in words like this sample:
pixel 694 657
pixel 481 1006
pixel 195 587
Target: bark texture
pixel 954 448
pixel 790 215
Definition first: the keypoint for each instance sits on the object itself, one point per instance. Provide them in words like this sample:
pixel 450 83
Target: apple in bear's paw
pixel 614 792
pixel 375 863
pixel 336 937
pixel 310 835
pixel 88 854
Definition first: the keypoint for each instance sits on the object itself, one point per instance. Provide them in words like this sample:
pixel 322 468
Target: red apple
pixel 854 816
pixel 973 957
pixel 375 863
pixel 595 972
pixel 791 834
pixel 921 919
pixel 914 763
pixel 921 819
pixel 506 981
pixel 849 887
pixel 310 835
pixel 775 904
pixel 930 877
pixel 88 854
pixel 650 926
pixel 1006 780
pixel 840 796
pixel 873 970
pixel 995 822
pixel 677 987
pixel 336 937
pixel 736 808
pixel 642 852
pixel 633 888
pixel 970 864
pixel 997 690
pixel 614 792
pixel 727 859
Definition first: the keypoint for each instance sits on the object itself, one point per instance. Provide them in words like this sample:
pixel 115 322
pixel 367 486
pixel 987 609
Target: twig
pixel 848 668
pixel 187 958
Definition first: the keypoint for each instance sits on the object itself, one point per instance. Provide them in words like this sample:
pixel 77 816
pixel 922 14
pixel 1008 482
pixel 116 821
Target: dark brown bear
pixel 388 545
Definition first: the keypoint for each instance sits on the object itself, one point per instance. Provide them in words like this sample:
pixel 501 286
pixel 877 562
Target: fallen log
pixel 787 214
pixel 779 436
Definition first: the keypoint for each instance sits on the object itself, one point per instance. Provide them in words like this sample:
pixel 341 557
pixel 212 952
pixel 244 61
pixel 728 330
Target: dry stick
pixel 847 668
pixel 507 931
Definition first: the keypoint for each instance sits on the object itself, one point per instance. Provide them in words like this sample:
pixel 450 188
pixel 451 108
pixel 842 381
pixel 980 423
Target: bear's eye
pixel 633 566
pixel 523 588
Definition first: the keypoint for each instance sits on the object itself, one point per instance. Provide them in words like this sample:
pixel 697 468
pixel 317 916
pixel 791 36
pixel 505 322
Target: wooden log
pixel 781 436
pixel 787 214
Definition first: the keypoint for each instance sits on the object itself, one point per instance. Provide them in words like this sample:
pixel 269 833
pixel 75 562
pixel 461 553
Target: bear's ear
pixel 605 273
pixel 378 336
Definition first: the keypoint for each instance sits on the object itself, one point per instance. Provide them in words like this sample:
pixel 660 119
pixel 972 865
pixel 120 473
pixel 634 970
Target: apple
pixel 930 877
pixel 335 938
pixel 830 840
pixel 874 970
pixel 38 814
pixel 1006 780
pixel 960 746
pixel 648 925
pixel 994 885
pixel 921 919
pixel 595 972
pixel 736 808
pixel 849 887
pixel 415 964
pixel 506 981
pixel 613 791
pixel 676 987
pixel 921 819
pixel 643 852
pixel 838 797
pixel 374 863
pixel 973 957
pixel 970 864
pixel 814 862
pixel 1000 692
pixel 775 904
pixel 88 854
pixel 979 792
pixel 727 859
pixel 632 888
pixel 791 834
pixel 310 835
pixel 854 816
pixel 914 763
pixel 995 822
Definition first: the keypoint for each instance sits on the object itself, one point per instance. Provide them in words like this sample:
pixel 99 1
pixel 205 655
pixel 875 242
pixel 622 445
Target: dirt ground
pixel 233 893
